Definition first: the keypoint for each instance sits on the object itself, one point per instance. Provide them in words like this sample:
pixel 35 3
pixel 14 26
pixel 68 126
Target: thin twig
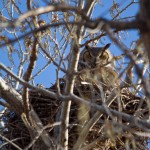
pixel 10 142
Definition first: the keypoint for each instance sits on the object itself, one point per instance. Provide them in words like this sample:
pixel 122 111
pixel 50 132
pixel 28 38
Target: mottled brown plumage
pixel 96 77
pixel 97 67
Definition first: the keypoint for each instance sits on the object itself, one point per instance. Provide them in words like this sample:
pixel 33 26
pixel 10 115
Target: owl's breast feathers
pixel 109 76
pixel 104 76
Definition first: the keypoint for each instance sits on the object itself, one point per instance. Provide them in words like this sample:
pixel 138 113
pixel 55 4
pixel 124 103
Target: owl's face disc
pixel 96 56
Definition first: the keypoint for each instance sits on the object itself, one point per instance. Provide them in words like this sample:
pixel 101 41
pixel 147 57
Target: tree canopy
pixel 40 80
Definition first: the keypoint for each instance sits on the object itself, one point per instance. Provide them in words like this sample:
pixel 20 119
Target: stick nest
pixel 106 132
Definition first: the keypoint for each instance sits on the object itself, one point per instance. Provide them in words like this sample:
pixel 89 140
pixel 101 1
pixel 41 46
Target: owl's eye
pixel 86 56
pixel 104 56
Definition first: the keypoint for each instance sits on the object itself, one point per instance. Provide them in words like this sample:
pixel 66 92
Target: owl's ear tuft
pixel 107 46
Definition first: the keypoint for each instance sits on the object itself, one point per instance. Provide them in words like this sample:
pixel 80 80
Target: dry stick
pixel 41 70
pixel 39 134
pixel 27 76
pixel 50 8
pixel 30 118
pixel 31 66
pixel 132 2
pixel 44 10
pixel 41 90
pixel 11 96
pixel 19 148
pixel 65 110
pixel 51 58
pixel 63 136
pixel 92 25
pixel 22 61
pixel 39 30
pixel 5 104
pixel 70 80
pixel 92 144
pixel 9 142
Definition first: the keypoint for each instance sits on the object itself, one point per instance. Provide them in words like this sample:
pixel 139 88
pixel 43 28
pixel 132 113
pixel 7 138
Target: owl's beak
pixel 95 63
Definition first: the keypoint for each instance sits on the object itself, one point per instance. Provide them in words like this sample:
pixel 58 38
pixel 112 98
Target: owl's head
pixel 95 56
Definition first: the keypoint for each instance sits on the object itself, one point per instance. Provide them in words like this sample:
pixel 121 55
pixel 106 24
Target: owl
pixel 96 69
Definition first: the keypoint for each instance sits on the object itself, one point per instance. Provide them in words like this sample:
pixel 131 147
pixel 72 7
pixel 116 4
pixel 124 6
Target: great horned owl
pixel 96 69
pixel 97 66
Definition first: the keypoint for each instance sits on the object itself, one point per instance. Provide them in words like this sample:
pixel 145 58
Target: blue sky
pixel 47 77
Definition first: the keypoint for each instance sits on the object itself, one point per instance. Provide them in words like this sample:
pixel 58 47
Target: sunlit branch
pixel 41 70
pixel 44 10
pixel 4 104
pixel 93 26
pixel 27 84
